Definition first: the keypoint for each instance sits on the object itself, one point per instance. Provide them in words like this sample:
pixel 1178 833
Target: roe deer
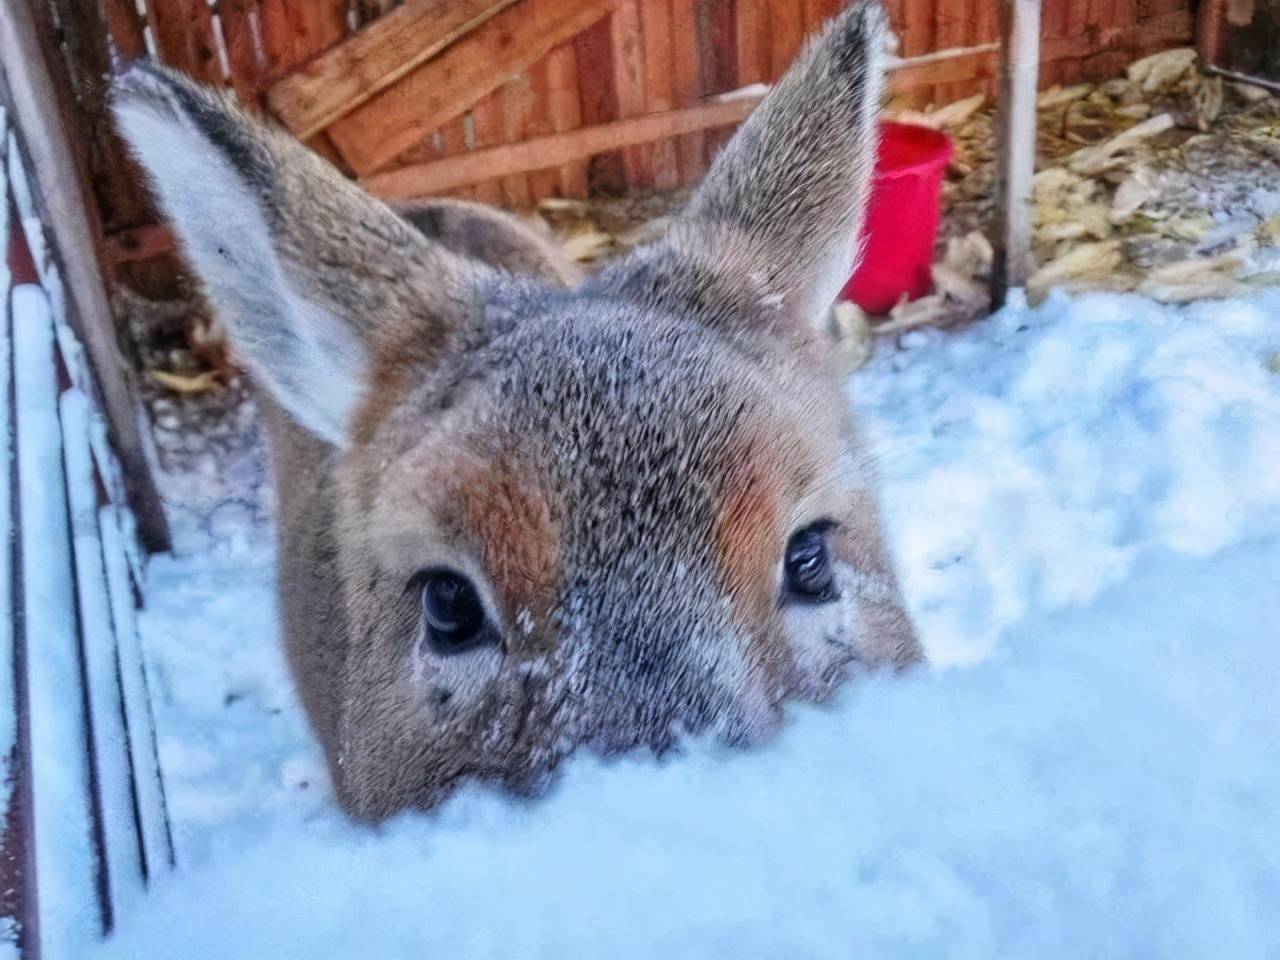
pixel 516 516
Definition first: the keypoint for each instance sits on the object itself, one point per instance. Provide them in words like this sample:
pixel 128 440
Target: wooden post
pixel 42 112
pixel 1015 145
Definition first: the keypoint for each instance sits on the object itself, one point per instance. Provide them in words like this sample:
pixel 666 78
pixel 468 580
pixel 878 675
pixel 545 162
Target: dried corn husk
pixel 1134 111
pixel 1250 93
pixel 1135 190
pixel 586 244
pixel 1268 232
pixel 186 383
pixel 959 287
pixel 644 233
pixel 1057 96
pixel 970 255
pixel 927 311
pixel 852 335
pixel 1206 103
pixel 1161 71
pixel 944 117
pixel 1097 159
pixel 1086 260
pixel 1194 279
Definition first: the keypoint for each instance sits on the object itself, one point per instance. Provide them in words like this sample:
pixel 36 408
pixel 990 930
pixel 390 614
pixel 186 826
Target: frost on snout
pixel 650 666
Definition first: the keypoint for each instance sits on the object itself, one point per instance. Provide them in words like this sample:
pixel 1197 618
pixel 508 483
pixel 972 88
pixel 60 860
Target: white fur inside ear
pixel 308 359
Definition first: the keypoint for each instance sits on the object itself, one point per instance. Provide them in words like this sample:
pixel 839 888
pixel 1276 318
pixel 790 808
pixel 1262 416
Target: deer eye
pixel 452 613
pixel 808 565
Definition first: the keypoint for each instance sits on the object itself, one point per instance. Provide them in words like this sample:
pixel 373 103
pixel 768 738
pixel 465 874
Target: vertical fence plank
pixel 655 25
pixel 917 38
pixel 206 64
pixel 317 25
pixel 719 48
pixel 157 844
pixel 629 83
pixel 125 27
pixel 243 59
pixel 169 30
pixel 786 33
pixel 122 868
pixel 486 131
pixel 276 33
pixel 598 100
pixel 753 39
pixel 1053 26
pixel 818 12
pixel 453 141
pixel 952 29
pixel 516 97
pixel 566 113
pixel 688 80
pixel 542 183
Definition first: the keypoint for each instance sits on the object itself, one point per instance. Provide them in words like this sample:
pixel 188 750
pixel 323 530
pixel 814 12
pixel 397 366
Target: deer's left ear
pixel 772 234
pixel 308 272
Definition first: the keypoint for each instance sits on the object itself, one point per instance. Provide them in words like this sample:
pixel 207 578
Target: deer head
pixel 603 516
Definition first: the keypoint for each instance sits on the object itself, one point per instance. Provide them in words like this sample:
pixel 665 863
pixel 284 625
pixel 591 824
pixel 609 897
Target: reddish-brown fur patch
pixel 503 510
pixel 748 546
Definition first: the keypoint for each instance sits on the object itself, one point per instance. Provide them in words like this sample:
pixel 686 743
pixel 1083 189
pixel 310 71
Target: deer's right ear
pixel 771 235
pixel 307 271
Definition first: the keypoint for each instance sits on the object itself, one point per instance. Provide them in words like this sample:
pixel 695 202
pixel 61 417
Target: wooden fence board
pixel 169 21
pixel 598 102
pixel 125 27
pixel 516 98
pixel 243 56
pixel 629 83
pixel 486 131
pixel 719 54
pixel 753 40
pixel 389 123
pixel 952 28
pixel 566 113
pixel 688 77
pixel 786 34
pixel 447 174
pixel 206 64
pixel 659 87
pixel 543 182
pixel 345 76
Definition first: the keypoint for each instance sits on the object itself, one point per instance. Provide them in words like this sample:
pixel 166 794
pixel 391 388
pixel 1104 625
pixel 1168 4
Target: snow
pixel 64 857
pixel 1085 502
pixel 104 703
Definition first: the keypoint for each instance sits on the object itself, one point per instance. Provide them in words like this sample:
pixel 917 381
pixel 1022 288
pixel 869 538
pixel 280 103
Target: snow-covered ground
pixel 1085 502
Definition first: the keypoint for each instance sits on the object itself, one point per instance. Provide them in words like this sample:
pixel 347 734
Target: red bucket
pixel 902 218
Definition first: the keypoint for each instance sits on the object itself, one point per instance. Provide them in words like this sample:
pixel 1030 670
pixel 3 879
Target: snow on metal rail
pixel 84 827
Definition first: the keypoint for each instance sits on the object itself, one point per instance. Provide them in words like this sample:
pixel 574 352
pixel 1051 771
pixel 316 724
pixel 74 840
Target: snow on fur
pixel 1085 500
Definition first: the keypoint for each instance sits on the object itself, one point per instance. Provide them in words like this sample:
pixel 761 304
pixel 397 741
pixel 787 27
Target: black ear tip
pixel 864 25
pixel 858 40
